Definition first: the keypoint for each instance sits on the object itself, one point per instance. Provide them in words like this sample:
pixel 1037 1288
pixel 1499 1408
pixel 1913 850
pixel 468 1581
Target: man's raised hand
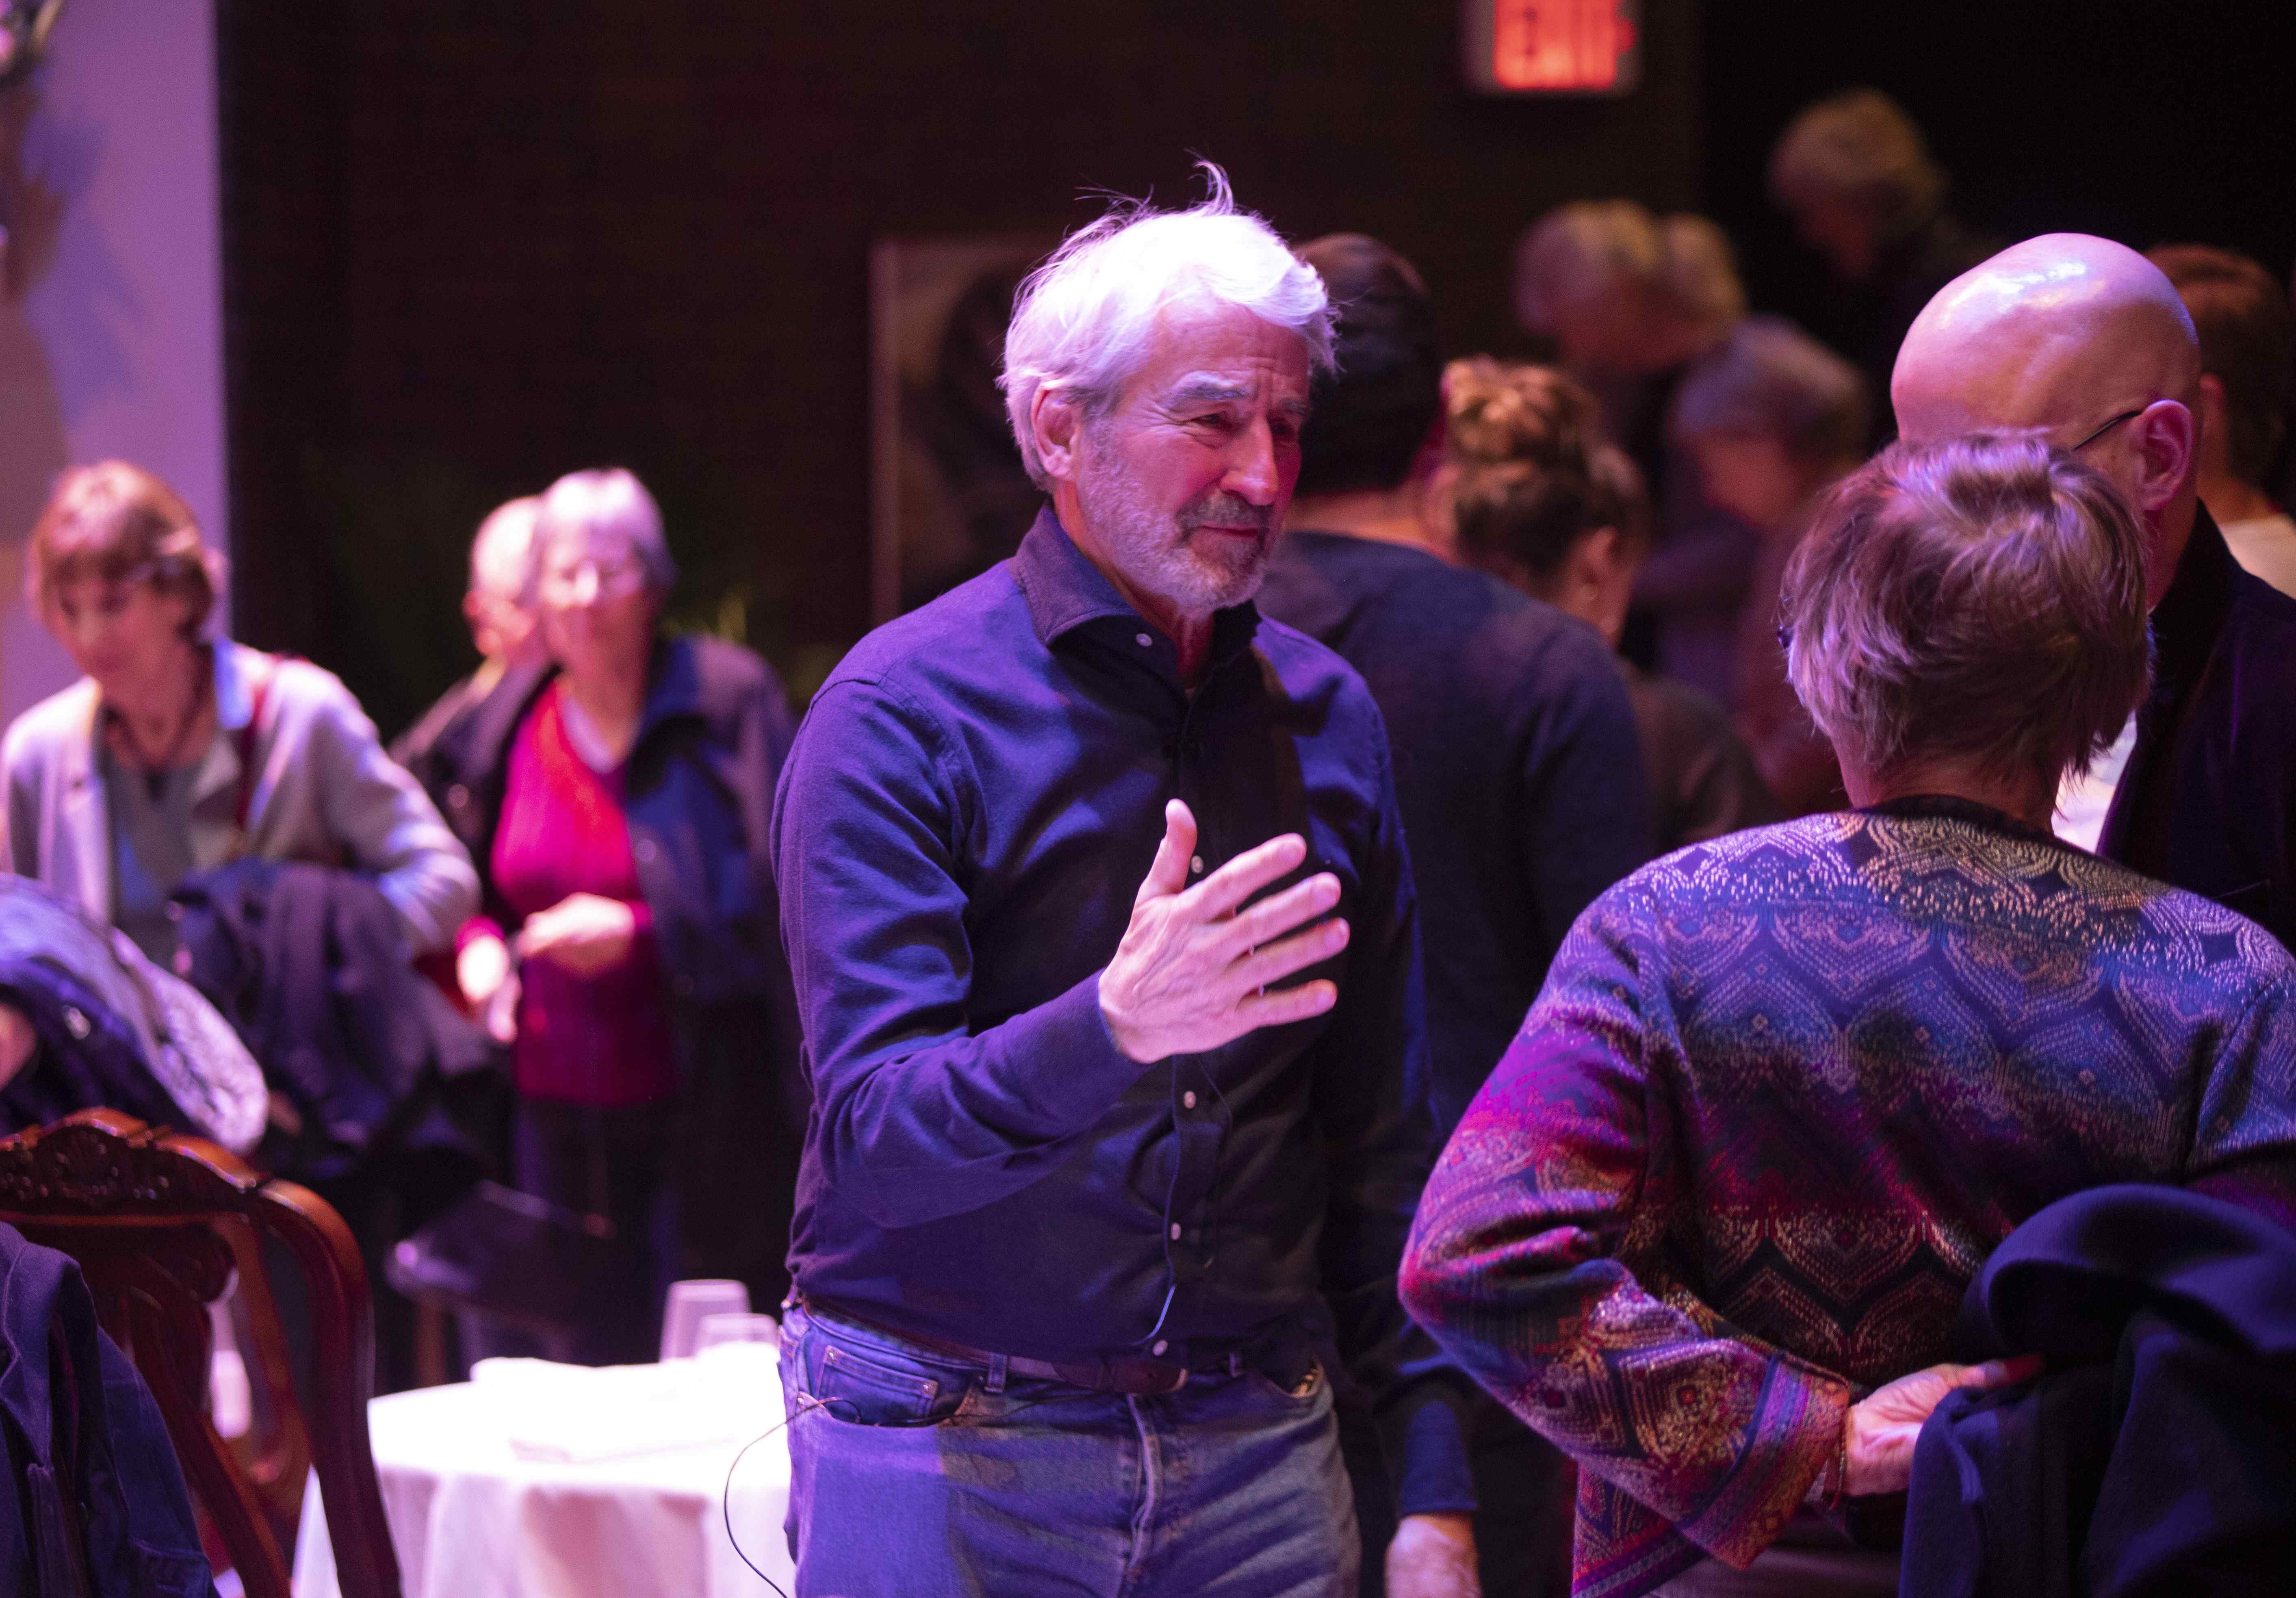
pixel 1192 967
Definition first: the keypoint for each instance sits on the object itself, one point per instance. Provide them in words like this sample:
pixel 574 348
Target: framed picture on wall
pixel 949 496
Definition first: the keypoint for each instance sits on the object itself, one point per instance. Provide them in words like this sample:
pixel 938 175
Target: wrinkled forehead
pixel 1222 356
pixel 565 548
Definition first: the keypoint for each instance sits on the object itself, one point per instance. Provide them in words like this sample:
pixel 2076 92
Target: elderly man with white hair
pixel 1096 901
pixel 2088 344
pixel 502 632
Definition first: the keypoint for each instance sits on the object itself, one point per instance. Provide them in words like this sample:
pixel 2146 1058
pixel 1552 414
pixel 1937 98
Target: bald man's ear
pixel 1058 421
pixel 2168 443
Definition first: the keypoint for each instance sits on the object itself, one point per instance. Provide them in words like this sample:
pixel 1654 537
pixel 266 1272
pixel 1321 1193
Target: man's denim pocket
pixel 854 1386
pixel 869 1379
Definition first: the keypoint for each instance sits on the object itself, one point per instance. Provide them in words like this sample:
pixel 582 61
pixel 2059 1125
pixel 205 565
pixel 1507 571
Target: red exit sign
pixel 1552 46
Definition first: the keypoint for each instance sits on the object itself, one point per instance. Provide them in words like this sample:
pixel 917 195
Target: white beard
pixel 1159 554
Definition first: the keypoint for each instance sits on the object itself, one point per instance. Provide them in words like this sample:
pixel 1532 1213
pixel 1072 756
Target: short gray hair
pixel 1978 600
pixel 607 500
pixel 1084 321
pixel 499 555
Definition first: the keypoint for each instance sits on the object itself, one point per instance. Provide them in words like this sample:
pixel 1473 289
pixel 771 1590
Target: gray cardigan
pixel 323 791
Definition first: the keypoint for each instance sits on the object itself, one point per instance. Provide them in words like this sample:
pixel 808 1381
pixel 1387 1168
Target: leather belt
pixel 1134 1375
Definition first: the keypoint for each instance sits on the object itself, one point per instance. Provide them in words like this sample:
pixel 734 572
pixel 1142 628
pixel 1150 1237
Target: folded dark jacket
pixel 2158 1453
pixel 311 965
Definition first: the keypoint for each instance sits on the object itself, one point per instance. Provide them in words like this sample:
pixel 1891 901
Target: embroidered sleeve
pixel 1561 1167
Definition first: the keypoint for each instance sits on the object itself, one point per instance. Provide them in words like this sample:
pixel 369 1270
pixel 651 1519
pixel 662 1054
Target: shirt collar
pixel 1953 807
pixel 2190 615
pixel 1065 590
pixel 234 694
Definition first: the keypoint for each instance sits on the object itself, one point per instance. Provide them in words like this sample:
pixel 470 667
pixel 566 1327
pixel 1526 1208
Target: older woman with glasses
pixel 1708 1226
pixel 616 798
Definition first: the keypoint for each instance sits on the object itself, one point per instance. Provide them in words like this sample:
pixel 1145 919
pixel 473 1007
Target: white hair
pixel 609 502
pixel 1086 319
pixel 498 554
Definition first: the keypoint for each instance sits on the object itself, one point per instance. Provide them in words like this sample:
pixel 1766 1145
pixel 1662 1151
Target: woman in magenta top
pixel 616 798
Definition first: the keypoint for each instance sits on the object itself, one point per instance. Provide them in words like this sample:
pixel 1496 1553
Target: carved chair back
pixel 158 1222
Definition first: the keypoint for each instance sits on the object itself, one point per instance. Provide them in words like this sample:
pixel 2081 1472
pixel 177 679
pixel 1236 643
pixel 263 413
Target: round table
pixel 472 1518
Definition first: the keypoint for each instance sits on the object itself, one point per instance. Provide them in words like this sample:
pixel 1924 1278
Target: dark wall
pixel 2145 123
pixel 470 246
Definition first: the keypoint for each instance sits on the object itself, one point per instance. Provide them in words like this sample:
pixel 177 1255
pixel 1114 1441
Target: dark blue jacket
pixel 1518 766
pixel 2208 800
pixel 2158 1453
pixel 698 791
pixel 98 1508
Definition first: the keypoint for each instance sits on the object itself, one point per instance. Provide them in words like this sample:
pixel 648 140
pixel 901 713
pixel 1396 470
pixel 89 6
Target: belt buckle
pixel 1145 1377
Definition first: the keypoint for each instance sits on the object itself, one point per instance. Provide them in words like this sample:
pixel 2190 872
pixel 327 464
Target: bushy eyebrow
pixel 1213 390
pixel 1208 390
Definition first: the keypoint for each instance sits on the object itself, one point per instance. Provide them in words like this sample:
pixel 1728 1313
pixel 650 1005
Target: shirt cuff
pixel 1797 1427
pixel 1423 1431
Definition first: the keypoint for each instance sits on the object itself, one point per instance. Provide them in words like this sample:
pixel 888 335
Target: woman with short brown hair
pixel 176 753
pixel 1709 1224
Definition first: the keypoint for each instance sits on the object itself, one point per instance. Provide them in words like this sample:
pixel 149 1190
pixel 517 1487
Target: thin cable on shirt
pixel 1171 1192
pixel 726 1503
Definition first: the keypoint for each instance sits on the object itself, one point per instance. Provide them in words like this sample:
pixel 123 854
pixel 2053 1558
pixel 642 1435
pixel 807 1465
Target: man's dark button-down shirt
pixel 971 803
pixel 1518 764
pixel 2208 800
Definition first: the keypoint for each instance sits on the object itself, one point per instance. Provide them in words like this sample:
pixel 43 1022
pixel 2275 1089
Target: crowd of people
pixel 1444 985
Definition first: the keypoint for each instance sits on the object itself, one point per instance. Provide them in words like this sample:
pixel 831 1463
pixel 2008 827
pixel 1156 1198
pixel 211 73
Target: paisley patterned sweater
pixel 1781 1094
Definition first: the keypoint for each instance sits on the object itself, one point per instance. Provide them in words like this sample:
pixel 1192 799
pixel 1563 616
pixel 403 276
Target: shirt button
pixel 1143 640
pixel 458 798
pixel 1161 1345
pixel 1196 863
pixel 1176 1231
pixel 1188 1101
pixel 645 850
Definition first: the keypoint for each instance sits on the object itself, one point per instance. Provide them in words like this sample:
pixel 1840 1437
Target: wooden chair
pixel 158 1222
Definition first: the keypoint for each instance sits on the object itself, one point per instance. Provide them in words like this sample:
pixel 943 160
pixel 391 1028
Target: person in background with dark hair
pixel 1771 421
pixel 2248 338
pixel 1517 767
pixel 1567 521
pixel 1856 177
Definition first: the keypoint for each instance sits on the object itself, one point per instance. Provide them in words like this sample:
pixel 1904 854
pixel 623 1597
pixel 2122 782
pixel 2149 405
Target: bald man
pixel 2087 343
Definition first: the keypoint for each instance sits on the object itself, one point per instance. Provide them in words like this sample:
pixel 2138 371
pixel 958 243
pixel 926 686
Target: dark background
pixel 470 246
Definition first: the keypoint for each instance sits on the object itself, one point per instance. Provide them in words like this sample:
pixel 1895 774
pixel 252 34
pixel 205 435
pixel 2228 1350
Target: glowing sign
pixel 1552 46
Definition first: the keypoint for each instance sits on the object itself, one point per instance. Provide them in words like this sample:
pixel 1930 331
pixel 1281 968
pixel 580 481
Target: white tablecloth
pixel 471 1519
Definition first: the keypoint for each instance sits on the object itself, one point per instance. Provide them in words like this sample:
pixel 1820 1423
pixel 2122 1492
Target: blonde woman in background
pixel 1634 305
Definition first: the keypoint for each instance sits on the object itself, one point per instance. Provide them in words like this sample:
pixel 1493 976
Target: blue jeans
pixel 918 1473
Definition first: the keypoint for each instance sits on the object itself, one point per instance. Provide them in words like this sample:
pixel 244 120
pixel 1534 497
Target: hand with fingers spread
pixel 1194 968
